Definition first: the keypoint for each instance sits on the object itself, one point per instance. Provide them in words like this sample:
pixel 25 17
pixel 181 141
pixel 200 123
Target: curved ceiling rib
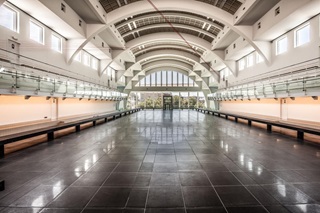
pixel 165 25
pixel 230 6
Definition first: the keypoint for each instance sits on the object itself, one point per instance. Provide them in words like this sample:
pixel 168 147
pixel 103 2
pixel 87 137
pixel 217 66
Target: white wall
pixel 72 107
pixel 304 108
pixel 268 107
pixel 288 60
pixel 15 109
pixel 44 53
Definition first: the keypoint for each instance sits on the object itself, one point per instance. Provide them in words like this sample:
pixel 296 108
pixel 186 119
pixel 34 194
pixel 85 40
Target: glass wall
pixel 154 100
pixel 167 79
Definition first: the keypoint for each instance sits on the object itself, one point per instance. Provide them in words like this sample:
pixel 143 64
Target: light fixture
pixel 315 98
pixel 27 97
pixel 292 98
pixel 1 69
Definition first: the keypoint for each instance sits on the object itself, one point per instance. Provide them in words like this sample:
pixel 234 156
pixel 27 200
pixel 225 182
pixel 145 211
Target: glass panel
pixel 180 79
pixel 153 79
pixel 169 77
pixel 249 61
pixel 56 43
pixel 185 80
pixel 242 64
pixel 193 99
pixel 303 35
pixel 36 32
pixel 8 18
pixel 175 79
pixel 86 59
pixel 94 63
pixel 148 82
pixel 282 45
pixel 159 79
pixel 164 78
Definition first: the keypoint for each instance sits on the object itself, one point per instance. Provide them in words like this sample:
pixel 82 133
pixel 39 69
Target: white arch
pixel 162 25
pixel 196 7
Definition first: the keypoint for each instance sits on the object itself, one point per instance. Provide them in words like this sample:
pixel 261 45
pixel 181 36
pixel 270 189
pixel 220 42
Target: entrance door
pixel 284 109
pixel 167 102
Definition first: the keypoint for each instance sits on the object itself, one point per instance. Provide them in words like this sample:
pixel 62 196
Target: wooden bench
pixel 49 131
pixel 301 129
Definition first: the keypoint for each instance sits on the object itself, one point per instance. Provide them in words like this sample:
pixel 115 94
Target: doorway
pixel 167 102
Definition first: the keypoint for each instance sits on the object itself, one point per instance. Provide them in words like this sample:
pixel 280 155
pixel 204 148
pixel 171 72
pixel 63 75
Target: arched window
pixel 166 79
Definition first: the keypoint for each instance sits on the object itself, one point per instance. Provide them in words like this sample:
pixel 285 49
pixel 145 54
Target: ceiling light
pixel 209 27
pixel 129 25
pixel 134 24
pixel 204 24
pixel 1 69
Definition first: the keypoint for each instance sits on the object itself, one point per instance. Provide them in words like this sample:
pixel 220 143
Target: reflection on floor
pixel 180 161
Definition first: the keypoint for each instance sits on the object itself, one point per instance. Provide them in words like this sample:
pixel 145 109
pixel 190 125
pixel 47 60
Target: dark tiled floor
pixel 164 162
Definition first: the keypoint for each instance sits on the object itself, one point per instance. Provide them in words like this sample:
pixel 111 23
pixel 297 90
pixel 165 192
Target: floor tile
pixel 74 197
pixel 200 197
pixel 236 196
pixel 194 179
pixel 165 197
pixel 110 197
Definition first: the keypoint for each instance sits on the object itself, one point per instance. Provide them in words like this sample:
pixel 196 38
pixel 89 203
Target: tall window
pixel 94 63
pixel 302 35
pixel 36 32
pixel 259 58
pixel 242 64
pixel 9 18
pixel 86 59
pixel 282 45
pixel 250 60
pixel 56 43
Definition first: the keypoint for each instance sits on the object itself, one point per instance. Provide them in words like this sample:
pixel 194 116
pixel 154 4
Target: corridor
pixel 164 161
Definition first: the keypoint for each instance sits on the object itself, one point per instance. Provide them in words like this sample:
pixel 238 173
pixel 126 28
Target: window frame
pixel 296 34
pixel 16 25
pixel 244 61
pixel 285 37
pixel 94 63
pixel 85 54
pixel 250 58
pixel 60 40
pixel 40 27
pixel 259 58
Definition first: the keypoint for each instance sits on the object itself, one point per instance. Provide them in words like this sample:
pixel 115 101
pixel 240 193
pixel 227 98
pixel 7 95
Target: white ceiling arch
pixel 195 7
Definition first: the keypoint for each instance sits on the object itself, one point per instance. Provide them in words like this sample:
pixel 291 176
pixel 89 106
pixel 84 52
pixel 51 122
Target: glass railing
pixel 289 87
pixel 14 81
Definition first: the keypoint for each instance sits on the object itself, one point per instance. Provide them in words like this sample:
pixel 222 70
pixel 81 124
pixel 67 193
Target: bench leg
pixel 50 136
pixel 300 135
pixel 106 120
pixel 236 120
pixel 78 128
pixel 1 185
pixel 269 127
pixel 1 151
pixel 249 123
pixel 114 117
pixel 226 116
pixel 94 123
